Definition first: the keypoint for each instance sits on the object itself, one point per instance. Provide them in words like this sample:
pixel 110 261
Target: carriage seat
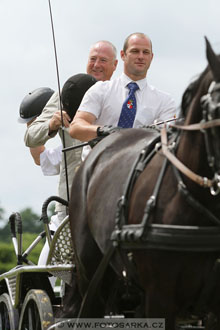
pixel 61 251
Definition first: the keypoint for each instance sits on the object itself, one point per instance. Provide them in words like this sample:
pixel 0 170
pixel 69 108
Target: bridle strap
pixel 202 181
pixel 199 126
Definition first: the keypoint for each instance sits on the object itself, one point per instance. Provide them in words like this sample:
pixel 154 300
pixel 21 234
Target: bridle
pixel 169 237
pixel 211 110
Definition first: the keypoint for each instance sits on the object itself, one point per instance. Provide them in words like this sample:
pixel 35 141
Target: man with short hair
pixel 101 65
pixel 102 60
pixel 103 102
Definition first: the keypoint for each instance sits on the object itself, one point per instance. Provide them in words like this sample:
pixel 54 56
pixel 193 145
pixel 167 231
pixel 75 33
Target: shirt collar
pixel 126 80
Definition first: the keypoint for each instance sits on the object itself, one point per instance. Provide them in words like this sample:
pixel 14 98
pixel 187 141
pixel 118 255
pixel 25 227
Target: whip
pixel 60 103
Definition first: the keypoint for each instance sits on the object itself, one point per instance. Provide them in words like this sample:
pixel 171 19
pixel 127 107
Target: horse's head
pixel 201 106
pixel 211 115
pixel 200 86
pixel 211 101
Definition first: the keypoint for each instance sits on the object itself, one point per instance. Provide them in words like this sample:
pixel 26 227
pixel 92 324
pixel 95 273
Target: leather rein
pixel 213 184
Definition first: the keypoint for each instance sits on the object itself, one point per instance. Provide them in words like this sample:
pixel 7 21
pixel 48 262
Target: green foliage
pixel 30 224
pixel 51 209
pixel 28 238
pixel 31 227
pixel 8 259
pixel 1 213
pixel 5 234
pixel 31 221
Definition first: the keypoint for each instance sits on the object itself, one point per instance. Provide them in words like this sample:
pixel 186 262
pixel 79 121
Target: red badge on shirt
pixel 130 104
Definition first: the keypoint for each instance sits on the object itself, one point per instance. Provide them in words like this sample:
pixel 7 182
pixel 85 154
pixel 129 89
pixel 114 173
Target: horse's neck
pixel 191 149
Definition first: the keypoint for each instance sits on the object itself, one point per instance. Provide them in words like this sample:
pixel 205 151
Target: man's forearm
pixel 35 153
pixel 83 131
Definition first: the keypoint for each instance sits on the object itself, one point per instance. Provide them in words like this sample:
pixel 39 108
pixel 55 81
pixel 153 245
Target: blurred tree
pixel 2 211
pixel 30 221
pixel 8 258
pixel 5 234
pixel 31 227
pixel 28 238
pixel 4 228
pixel 51 209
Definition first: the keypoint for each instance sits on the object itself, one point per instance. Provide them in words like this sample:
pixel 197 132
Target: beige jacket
pixel 37 134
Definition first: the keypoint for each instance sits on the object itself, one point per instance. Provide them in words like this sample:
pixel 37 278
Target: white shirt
pixel 105 99
pixel 50 160
pixel 37 134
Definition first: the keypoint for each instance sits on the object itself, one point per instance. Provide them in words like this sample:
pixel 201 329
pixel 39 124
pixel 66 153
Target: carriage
pixel 145 227
pixel 28 300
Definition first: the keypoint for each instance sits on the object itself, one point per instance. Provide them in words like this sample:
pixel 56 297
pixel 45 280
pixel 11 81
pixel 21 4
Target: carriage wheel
pixel 8 315
pixel 36 313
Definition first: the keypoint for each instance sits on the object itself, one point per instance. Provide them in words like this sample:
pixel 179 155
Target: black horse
pixel 128 189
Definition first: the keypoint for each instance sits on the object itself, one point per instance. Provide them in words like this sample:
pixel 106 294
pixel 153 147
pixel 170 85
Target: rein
pixel 208 122
pixel 202 181
pixel 135 235
pixel 199 126
pixel 149 236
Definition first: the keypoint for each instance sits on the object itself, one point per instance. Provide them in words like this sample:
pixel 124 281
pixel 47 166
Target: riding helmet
pixel 33 103
pixel 73 91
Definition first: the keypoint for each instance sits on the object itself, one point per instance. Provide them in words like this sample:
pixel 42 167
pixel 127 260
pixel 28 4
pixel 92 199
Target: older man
pixel 127 101
pixel 102 63
pixel 102 60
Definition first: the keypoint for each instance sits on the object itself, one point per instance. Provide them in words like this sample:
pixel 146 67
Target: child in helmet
pixel 32 106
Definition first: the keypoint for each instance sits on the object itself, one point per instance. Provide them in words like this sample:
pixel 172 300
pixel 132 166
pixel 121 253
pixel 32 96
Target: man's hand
pixel 56 122
pixel 106 130
pixel 101 133
pixel 92 143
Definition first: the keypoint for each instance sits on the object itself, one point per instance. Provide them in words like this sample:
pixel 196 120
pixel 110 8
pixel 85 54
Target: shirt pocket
pixel 145 117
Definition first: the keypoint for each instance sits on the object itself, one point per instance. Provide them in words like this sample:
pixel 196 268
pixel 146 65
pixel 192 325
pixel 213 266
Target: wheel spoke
pixel 32 315
pixel 30 318
pixel 8 315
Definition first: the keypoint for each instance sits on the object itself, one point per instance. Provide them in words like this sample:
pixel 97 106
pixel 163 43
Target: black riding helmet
pixel 33 103
pixel 73 91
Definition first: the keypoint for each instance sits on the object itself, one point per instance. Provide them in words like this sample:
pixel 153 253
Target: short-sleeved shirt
pixel 105 99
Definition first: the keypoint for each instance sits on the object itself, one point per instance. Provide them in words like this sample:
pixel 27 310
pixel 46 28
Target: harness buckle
pixel 205 182
pixel 215 188
pixel 212 86
pixel 157 146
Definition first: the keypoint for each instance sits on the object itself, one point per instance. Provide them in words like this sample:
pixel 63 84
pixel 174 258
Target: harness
pixel 146 235
pixel 170 237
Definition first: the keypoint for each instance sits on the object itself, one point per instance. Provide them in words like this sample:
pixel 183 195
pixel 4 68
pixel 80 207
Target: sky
pixel 176 28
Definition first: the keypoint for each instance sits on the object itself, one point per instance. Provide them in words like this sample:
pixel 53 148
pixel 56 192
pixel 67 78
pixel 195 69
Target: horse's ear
pixel 213 60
